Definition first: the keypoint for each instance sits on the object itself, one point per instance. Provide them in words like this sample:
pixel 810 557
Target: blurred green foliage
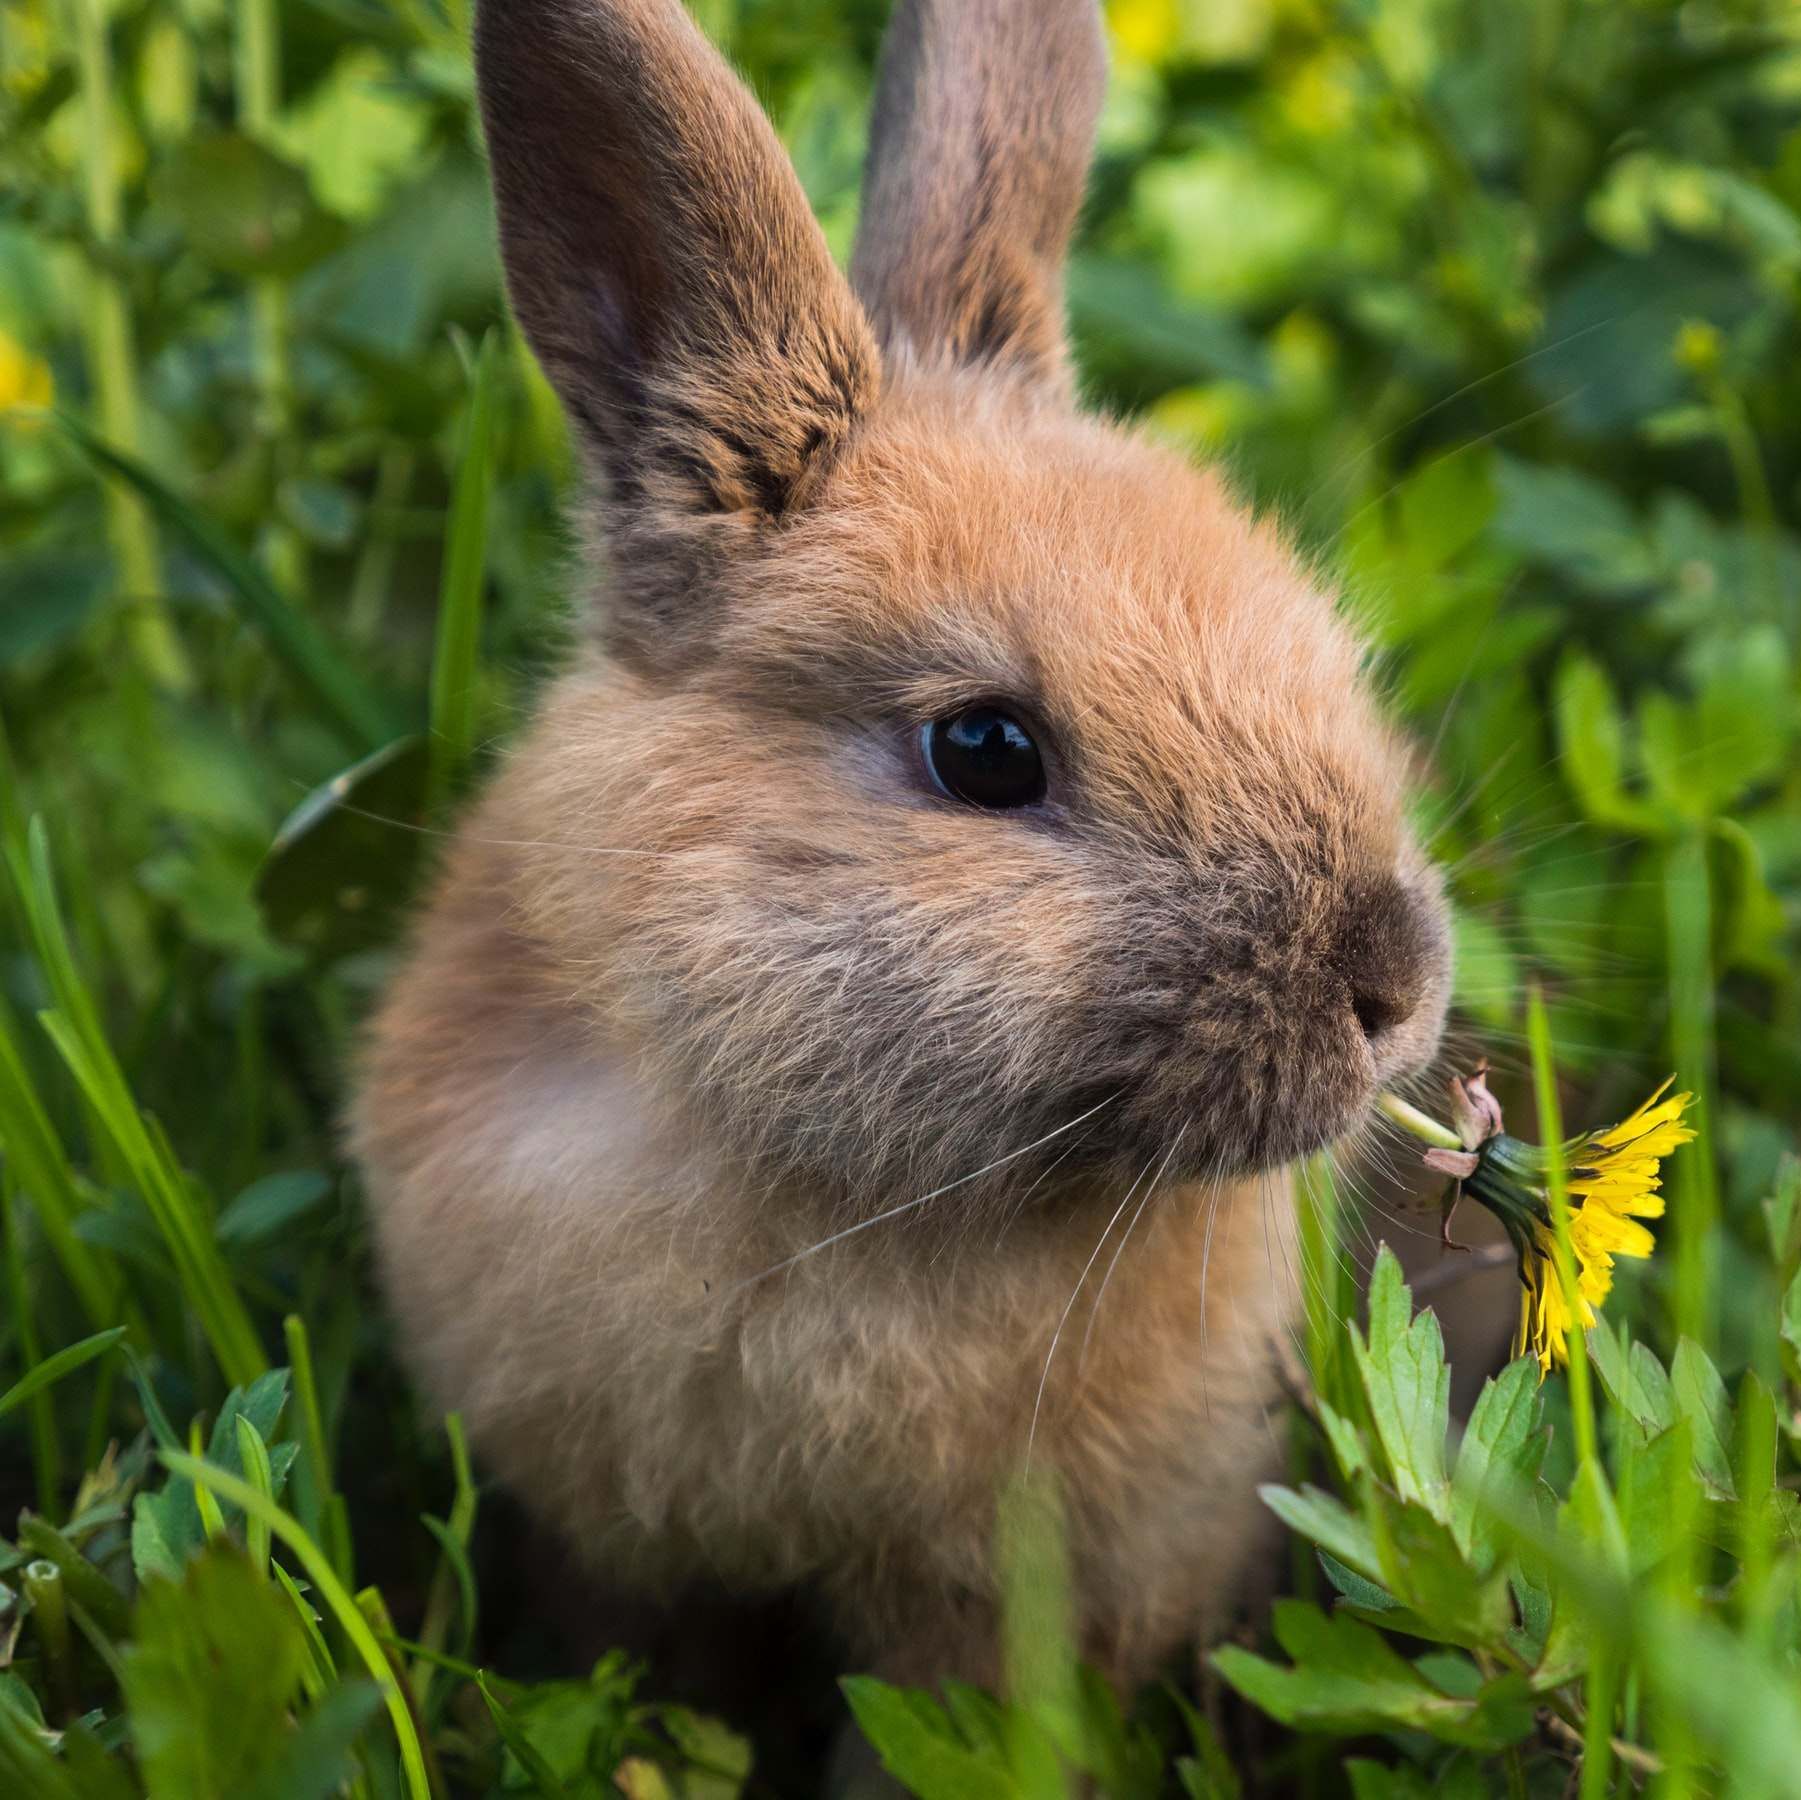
pixel 1493 300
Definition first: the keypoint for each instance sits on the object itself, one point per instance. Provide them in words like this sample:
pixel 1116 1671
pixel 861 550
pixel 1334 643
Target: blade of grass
pixel 54 1368
pixel 320 1507
pixel 76 1030
pixel 332 1592
pixel 46 1450
pixel 45 1177
pixel 254 1455
pixel 453 1578
pixel 361 719
pixel 460 589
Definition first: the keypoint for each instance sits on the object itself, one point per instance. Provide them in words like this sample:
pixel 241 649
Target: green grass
pixel 1494 300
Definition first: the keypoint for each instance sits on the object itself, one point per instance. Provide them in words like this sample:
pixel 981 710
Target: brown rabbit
pixel 857 1040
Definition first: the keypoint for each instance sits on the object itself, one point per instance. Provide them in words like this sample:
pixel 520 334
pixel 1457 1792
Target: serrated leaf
pixel 209 1679
pixel 1591 734
pixel 1633 1377
pixel 1208 1774
pixel 1345 1678
pixel 1346 1441
pixel 1330 1524
pixel 1790 1324
pixel 1701 1399
pixel 315 1761
pixel 1782 1214
pixel 1652 1503
pixel 166 1527
pixel 1368 1595
pixel 1423 1567
pixel 919 1746
pixel 1498 1459
pixel 1408 1386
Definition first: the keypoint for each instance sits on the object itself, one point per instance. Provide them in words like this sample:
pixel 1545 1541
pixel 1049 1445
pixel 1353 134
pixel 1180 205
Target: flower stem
pixel 1557 1185
pixel 1416 1123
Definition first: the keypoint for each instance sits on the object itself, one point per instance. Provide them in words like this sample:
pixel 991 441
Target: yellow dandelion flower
pixel 25 381
pixel 1614 1182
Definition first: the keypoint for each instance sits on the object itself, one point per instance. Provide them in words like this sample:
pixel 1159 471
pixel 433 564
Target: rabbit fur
pixel 769 1154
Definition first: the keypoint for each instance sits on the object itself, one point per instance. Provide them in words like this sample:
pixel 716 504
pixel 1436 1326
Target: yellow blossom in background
pixel 1145 30
pixel 1699 347
pixel 26 384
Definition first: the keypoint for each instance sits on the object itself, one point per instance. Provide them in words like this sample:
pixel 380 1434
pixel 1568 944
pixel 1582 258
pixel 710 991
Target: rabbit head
pixel 975 785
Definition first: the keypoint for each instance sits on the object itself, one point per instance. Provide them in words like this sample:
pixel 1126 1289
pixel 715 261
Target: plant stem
pixel 1695 1198
pixel 112 360
pixel 257 76
pixel 1416 1123
pixel 1550 1130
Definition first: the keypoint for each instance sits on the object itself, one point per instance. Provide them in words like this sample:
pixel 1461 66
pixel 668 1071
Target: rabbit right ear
pixel 664 263
pixel 984 123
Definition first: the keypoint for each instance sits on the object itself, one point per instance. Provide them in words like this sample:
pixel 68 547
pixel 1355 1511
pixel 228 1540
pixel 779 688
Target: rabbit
pixel 857 1045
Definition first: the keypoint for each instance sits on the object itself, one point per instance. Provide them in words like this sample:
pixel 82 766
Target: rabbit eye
pixel 985 757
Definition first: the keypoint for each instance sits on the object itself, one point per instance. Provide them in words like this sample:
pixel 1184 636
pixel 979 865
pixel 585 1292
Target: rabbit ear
pixel 665 265
pixel 984 124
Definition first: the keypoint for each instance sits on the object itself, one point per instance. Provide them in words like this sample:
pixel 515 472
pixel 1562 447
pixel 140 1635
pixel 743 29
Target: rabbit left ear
pixel 984 124
pixel 666 266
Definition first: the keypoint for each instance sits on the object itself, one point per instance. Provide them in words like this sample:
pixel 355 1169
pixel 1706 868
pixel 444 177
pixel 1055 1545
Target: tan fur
pixel 715 991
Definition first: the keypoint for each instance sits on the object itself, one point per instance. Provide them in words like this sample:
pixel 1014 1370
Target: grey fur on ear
pixel 667 269
pixel 984 124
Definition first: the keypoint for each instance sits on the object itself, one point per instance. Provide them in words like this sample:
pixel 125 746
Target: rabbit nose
pixel 1384 953
pixel 1379 1013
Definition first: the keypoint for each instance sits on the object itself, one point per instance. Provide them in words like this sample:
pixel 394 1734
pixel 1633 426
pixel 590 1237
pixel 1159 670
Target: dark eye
pixel 984 756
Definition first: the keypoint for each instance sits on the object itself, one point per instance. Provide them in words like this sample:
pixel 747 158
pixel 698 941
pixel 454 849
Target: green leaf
pixel 1330 1524
pixel 1782 1214
pixel 1346 1441
pixel 1208 1774
pixel 270 1205
pixel 1633 1377
pixel 166 1527
pixel 920 1747
pixel 54 1368
pixel 1366 1595
pixel 1572 521
pixel 1790 1324
pixel 1591 735
pixel 242 209
pixel 1701 1399
pixel 209 1679
pixel 1659 1490
pixel 1498 1459
pixel 315 1762
pixel 1347 1680
pixel 1423 1567
pixel 337 1598
pixel 531 1759
pixel 291 638
pixel 1408 1385
pixel 717 1760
